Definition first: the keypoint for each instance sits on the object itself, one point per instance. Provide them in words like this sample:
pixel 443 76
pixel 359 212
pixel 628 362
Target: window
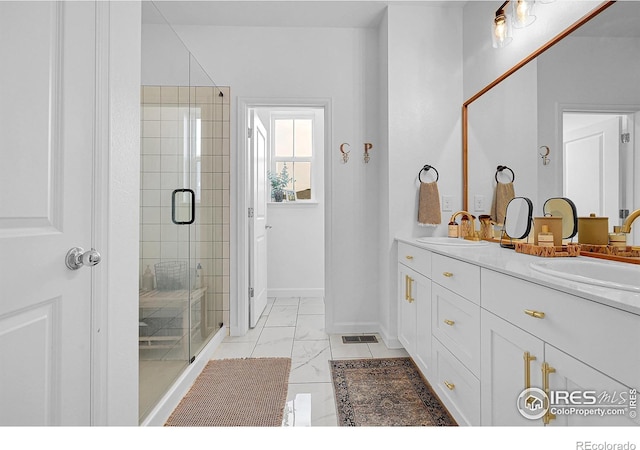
pixel 292 146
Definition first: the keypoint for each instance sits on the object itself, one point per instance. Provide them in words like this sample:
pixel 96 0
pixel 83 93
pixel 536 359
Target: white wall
pixel 335 63
pixel 422 81
pixel 121 351
pixel 165 60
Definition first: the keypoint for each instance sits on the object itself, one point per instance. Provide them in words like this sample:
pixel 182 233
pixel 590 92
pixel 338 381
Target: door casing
pixel 240 198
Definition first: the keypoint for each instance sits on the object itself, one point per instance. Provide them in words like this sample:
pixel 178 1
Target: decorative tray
pixel 627 251
pixel 548 252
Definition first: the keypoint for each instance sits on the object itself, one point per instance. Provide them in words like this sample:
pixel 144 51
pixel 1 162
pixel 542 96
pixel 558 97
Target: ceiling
pixel 266 13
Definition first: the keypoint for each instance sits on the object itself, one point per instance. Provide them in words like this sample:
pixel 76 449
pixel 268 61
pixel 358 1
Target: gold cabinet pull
pixel 546 370
pixel 409 257
pixel 449 386
pixel 447 274
pixel 406 287
pixel 410 298
pixel 536 314
pixel 528 357
pixel 449 322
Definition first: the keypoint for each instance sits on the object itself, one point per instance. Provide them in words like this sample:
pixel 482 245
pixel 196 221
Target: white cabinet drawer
pixel 603 337
pixel 457 276
pixel 417 258
pixel 456 323
pixel 458 389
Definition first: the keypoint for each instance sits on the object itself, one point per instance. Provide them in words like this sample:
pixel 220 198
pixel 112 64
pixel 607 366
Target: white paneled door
pixel 47 116
pixel 591 168
pixel 258 221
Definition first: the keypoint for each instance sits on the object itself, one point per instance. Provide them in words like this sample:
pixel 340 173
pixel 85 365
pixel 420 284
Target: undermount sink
pixel 455 242
pixel 616 276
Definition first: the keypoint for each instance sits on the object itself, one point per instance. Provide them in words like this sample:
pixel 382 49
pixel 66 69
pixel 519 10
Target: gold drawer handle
pixel 409 257
pixel 536 314
pixel 447 274
pixel 449 386
pixel 449 322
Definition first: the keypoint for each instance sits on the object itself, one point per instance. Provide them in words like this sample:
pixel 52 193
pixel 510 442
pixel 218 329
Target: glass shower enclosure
pixel 184 198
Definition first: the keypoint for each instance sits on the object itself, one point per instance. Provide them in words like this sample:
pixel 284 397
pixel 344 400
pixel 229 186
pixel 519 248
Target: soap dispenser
pixel 147 280
pixel 453 229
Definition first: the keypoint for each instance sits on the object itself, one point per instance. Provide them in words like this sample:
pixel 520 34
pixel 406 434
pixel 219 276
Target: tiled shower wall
pixel 166 165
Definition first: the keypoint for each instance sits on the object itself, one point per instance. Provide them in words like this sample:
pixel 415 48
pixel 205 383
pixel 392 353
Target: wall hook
pixel 544 155
pixel 367 147
pixel 345 155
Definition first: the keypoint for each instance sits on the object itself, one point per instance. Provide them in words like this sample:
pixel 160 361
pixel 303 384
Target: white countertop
pixel 507 261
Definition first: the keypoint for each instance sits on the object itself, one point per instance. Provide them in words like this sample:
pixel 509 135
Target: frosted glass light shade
pixel 501 30
pixel 523 13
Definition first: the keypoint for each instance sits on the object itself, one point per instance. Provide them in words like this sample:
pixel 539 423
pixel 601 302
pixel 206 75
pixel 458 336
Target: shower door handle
pixel 183 203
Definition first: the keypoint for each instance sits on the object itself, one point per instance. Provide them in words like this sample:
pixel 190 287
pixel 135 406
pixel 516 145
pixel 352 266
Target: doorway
pixel 598 162
pixel 281 245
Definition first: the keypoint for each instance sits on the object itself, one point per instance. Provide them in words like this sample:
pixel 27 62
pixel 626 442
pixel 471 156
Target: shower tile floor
pixel 294 327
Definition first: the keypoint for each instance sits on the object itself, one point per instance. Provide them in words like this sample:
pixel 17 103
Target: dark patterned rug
pixel 385 392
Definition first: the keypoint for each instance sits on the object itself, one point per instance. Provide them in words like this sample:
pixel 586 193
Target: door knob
pixel 77 257
pixel 267 227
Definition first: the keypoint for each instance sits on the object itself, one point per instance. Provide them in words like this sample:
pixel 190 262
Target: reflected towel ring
pixel 426 168
pixel 501 168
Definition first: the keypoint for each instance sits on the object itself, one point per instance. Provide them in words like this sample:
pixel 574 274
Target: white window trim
pixel 293 114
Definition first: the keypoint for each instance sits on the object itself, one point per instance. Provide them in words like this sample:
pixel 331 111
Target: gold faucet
pixel 626 226
pixel 474 234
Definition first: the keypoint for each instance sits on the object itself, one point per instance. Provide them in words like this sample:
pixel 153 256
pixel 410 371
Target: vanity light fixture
pixel 501 31
pixel 523 13
pixel 520 15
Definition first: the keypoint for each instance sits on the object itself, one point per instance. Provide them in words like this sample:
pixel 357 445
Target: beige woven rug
pixel 236 392
pixel 385 392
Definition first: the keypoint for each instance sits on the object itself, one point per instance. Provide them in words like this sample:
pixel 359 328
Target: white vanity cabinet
pixel 578 346
pixel 481 333
pixel 511 362
pixel 414 304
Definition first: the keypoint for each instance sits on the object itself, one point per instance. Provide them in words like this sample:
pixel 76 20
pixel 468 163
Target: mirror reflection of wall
pixel 596 70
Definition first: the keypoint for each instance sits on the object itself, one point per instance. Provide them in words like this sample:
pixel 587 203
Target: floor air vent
pixel 366 339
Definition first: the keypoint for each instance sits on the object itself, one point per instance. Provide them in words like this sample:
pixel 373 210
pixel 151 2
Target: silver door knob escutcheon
pixel 77 257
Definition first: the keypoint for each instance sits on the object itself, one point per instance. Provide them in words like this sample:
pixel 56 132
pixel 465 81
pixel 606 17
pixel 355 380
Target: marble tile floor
pixel 294 327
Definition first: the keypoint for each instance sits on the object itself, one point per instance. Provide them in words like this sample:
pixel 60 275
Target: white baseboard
pixel 295 292
pixel 159 415
pixel 351 328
